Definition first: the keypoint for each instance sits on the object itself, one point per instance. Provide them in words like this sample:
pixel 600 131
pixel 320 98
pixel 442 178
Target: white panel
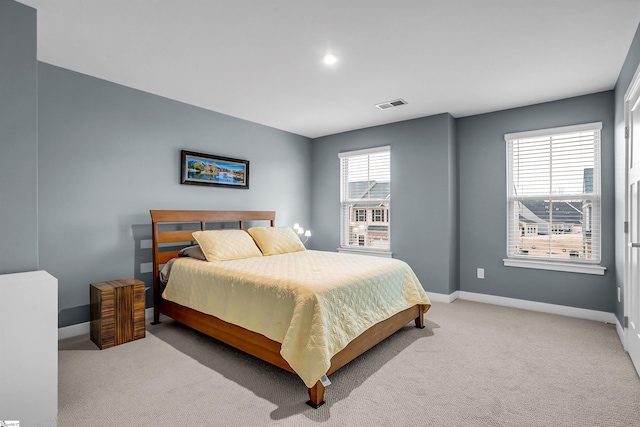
pixel 634 258
pixel 29 352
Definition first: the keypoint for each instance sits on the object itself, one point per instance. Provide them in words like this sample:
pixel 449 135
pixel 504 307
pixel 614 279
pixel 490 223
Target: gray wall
pixel 624 79
pixel 109 154
pixel 423 195
pixel 482 181
pixel 18 138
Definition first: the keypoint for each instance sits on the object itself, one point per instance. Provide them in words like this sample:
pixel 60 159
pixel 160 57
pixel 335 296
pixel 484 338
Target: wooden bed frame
pixel 250 342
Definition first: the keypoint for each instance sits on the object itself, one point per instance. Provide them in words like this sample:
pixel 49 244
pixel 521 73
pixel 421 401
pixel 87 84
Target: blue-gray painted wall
pixel 18 138
pixel 483 208
pixel 624 79
pixel 109 154
pixel 423 188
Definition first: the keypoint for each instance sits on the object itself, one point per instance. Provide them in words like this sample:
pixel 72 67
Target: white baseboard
pixel 434 297
pixel 621 334
pixel 581 313
pixel 84 328
pixel 73 330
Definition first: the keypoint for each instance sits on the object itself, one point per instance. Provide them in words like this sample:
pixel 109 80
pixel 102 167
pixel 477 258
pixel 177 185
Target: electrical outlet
pixel 481 273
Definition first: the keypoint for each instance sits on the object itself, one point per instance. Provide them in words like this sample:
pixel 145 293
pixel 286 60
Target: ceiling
pixel 261 60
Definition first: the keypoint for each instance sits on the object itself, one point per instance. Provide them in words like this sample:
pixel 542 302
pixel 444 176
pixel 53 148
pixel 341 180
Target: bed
pixel 306 334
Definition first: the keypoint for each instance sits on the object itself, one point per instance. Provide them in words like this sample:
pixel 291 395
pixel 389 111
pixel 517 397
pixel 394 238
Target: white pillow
pixel 276 240
pixel 224 245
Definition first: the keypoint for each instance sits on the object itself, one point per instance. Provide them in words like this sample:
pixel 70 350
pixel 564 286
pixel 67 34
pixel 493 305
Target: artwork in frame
pixel 208 169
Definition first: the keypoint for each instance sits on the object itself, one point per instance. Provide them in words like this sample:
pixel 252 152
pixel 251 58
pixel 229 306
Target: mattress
pixel 312 302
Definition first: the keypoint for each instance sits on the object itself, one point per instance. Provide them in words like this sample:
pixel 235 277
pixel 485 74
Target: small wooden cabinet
pixel 117 312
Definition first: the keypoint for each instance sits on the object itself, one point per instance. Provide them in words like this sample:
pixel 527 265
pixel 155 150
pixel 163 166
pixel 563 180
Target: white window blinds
pixel 365 195
pixel 553 194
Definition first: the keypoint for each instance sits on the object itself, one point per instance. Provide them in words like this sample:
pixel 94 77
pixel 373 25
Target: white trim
pixel 73 330
pixel 621 334
pixel 85 328
pixel 563 310
pixel 434 297
pixel 553 131
pixel 383 149
pixel 371 252
pixel 633 86
pixel 555 266
pixel 632 89
pixel 542 307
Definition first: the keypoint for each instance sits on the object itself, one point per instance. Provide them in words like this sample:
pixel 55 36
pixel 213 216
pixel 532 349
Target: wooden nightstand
pixel 117 312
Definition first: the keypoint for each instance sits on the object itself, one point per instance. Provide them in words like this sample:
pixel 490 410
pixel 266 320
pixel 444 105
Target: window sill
pixel 555 266
pixel 371 252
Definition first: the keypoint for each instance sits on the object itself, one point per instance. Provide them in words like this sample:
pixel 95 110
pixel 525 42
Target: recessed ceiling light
pixel 329 59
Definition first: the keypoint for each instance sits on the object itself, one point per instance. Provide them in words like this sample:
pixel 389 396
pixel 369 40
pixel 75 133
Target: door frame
pixel 634 86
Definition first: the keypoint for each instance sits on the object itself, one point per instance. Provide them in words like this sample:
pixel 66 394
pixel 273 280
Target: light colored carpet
pixel 473 365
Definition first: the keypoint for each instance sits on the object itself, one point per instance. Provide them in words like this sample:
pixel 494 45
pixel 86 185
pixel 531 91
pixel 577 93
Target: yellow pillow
pixel 276 240
pixel 223 245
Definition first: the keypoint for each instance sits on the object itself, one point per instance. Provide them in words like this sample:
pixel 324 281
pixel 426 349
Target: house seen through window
pixel 553 194
pixel 365 196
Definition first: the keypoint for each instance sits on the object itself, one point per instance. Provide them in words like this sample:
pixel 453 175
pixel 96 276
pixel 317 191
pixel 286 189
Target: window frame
pixel 548 263
pixel 345 245
pixel 377 215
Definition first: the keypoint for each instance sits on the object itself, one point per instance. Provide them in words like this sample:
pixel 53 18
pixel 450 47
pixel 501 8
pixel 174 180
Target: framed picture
pixel 207 169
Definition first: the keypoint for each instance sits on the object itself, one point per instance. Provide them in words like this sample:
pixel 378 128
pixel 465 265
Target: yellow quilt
pixel 312 302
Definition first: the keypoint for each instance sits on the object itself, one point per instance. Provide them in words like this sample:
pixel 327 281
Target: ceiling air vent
pixel 390 104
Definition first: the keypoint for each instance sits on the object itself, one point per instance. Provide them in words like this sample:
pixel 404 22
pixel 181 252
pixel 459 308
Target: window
pixel 553 195
pixel 379 215
pixel 365 195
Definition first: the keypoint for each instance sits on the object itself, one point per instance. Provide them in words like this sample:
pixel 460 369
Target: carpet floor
pixel 473 365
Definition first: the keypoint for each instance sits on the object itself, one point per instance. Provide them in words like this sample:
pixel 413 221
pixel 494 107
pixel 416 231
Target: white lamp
pixel 302 232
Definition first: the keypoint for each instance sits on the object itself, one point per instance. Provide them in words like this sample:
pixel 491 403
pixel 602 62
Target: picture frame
pixel 208 169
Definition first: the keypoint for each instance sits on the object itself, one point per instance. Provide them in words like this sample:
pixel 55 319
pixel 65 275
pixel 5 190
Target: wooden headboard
pixel 185 223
